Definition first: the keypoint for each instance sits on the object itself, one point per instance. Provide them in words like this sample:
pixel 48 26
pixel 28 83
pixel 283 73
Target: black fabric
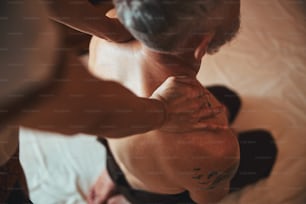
pixel 229 98
pixel 258 153
pixel 258 150
pixel 139 196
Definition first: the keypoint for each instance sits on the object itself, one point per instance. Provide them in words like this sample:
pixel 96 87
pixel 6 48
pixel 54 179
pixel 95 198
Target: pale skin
pixel 201 162
pixel 79 102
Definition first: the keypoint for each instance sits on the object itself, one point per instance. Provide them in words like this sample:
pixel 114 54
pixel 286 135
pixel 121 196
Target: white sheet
pixel 60 170
pixel 266 64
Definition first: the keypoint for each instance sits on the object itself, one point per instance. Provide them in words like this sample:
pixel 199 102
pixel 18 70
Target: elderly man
pixel 45 88
pixel 159 166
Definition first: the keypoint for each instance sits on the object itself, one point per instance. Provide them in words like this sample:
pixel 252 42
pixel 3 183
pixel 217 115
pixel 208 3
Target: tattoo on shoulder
pixel 213 178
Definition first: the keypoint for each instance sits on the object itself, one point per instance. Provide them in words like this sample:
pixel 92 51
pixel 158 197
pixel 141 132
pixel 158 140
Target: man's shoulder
pixel 214 144
pixel 206 159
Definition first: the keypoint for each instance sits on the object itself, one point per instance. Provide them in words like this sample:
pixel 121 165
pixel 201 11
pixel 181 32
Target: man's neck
pixel 183 62
pixel 156 67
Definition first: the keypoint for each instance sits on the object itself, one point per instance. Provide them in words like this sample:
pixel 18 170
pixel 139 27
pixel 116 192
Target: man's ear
pixel 201 49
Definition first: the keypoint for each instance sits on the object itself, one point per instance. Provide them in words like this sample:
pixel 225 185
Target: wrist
pixel 157 110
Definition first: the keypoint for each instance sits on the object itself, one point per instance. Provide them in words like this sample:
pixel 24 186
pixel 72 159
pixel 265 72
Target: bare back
pixel 158 161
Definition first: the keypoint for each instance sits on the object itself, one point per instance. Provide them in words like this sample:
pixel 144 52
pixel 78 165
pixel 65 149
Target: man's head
pixel 180 25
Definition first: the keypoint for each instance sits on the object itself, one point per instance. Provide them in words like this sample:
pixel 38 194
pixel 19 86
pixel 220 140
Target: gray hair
pixel 165 25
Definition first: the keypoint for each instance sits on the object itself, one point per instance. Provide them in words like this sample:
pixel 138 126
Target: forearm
pixel 79 103
pixel 125 115
pixel 90 19
pixel 82 11
pixel 114 116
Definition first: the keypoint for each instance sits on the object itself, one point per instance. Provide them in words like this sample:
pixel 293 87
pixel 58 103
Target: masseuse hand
pixel 186 104
pixel 90 19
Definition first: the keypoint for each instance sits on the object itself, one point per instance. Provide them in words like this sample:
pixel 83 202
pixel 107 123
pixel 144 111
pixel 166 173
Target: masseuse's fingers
pixel 201 99
pixel 186 104
pixel 177 86
pixel 198 89
pixel 206 113
pixel 209 125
